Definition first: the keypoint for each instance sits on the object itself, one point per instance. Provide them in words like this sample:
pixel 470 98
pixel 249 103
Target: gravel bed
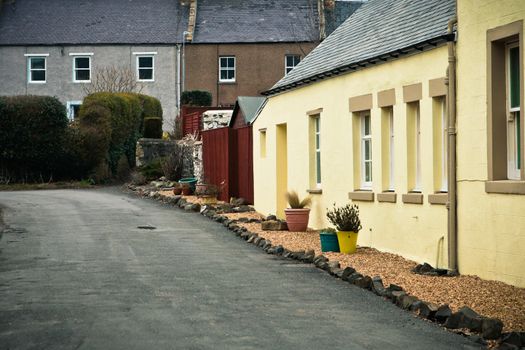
pixel 488 298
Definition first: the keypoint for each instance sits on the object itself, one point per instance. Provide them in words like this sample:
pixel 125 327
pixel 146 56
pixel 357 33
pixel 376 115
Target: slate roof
pixel 379 30
pixel 48 22
pixel 249 106
pixel 334 17
pixel 243 21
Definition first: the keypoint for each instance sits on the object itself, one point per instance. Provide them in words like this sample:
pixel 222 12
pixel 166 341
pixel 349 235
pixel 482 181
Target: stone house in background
pixel 57 47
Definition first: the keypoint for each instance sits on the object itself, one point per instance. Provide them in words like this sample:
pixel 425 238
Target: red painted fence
pixel 227 157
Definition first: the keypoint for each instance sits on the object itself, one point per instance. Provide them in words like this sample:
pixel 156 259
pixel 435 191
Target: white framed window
pixel 391 138
pixel 418 149
pixel 290 61
pixel 36 69
pixel 73 107
pixel 366 151
pixel 145 68
pixel 444 142
pixel 227 69
pixel 514 147
pixel 82 69
pixel 317 131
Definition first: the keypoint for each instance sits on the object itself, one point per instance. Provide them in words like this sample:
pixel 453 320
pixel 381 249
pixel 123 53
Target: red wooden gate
pixel 191 123
pixel 243 164
pixel 227 156
pixel 217 144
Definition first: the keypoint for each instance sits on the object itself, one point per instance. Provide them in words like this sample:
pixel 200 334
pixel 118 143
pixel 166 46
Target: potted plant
pixel 346 220
pixel 186 189
pixel 297 215
pixel 177 189
pixel 329 242
pixel 208 193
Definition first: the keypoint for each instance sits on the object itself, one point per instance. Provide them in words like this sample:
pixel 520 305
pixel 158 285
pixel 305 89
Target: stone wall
pixel 214 119
pixel 149 149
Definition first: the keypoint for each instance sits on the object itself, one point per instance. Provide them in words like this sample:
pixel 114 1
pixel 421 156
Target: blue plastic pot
pixel 329 242
pixel 191 181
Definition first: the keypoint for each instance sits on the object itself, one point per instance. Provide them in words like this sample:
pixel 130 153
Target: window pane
pixel 367 150
pixel 518 140
pixel 514 77
pixel 368 171
pixel 145 74
pixel 38 63
pixel 231 62
pixel 81 62
pixel 38 75
pixel 224 74
pixel 145 62
pixel 231 74
pixel 223 61
pixel 296 60
pixel 367 125
pixel 82 75
pixel 318 166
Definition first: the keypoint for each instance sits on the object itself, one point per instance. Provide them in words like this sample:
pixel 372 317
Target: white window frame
pixel 391 136
pixel 317 144
pixel 29 69
pixel 418 149
pixel 513 172
pixel 366 138
pixel 75 56
pixel 287 68
pixel 152 68
pixel 70 111
pixel 228 68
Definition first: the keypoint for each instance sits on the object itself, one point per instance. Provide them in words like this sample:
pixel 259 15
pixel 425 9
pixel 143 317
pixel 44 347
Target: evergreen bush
pixel 196 98
pixel 32 135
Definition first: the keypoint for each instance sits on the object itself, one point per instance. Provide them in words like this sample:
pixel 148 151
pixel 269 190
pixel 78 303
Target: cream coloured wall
pixel 491 227
pixel 416 231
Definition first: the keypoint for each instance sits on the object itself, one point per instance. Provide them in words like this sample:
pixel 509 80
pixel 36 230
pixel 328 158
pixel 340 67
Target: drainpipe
pixel 451 150
pixel 179 71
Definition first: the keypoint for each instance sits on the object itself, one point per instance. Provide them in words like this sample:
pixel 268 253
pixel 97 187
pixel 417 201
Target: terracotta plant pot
pixel 186 191
pixel 177 191
pixel 297 219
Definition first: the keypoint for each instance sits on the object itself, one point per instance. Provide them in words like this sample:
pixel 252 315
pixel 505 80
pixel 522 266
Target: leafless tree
pixel 112 79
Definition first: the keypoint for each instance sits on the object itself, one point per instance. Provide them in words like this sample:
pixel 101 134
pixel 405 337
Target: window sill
pixel 412 198
pixel 36 82
pixel 233 82
pixel 438 198
pixel 387 197
pixel 315 191
pixel 505 187
pixel 361 195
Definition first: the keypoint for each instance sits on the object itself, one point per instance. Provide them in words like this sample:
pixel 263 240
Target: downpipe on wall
pixel 450 81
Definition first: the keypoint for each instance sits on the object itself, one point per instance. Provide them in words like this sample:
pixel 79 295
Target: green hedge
pixel 152 128
pixel 196 98
pixel 111 124
pixel 32 135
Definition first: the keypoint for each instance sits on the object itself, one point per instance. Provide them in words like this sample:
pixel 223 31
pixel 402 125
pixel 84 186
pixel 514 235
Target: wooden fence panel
pixel 243 164
pixel 216 147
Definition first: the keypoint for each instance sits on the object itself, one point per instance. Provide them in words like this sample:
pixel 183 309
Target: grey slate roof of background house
pixel 48 22
pixel 377 28
pixel 244 21
pixel 339 13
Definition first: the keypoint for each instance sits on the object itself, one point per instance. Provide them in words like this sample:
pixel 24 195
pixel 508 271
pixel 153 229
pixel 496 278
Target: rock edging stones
pixel 465 318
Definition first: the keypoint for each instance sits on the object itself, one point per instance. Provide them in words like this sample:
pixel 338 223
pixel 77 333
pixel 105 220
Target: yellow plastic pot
pixel 347 241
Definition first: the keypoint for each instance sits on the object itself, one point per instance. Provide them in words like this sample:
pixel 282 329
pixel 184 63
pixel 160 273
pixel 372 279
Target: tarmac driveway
pixel 77 273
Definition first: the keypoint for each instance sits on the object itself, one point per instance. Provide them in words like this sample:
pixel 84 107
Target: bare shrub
pixel 112 79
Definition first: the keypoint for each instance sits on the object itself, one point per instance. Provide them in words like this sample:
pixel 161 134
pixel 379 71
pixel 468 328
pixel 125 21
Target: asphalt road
pixel 77 273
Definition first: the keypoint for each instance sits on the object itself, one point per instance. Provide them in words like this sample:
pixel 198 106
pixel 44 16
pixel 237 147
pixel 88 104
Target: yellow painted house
pixel 364 118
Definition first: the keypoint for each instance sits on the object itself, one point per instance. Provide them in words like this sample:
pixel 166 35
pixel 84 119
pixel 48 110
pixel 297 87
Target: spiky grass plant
pixel 295 202
pixel 345 218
